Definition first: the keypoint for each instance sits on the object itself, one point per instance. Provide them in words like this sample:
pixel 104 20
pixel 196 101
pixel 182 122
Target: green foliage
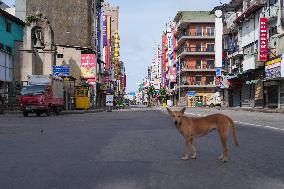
pixel 151 91
pixel 32 18
pixel 163 94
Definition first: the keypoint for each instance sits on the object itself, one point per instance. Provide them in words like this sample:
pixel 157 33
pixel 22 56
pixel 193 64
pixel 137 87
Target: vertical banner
pixel 173 74
pixel 104 30
pixel 263 40
pixel 218 42
pixel 88 66
pixel 106 39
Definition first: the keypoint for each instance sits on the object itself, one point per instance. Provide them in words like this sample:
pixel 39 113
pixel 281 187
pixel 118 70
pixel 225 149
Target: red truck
pixel 43 94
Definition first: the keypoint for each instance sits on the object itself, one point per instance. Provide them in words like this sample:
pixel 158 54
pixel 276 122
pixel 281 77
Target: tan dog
pixel 192 128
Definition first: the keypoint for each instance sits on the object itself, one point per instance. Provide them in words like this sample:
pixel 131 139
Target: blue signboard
pixel 191 93
pixel 218 72
pixel 132 93
pixel 61 70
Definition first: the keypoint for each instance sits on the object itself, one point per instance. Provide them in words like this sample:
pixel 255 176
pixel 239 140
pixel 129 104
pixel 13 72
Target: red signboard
pixel 173 73
pixel 263 40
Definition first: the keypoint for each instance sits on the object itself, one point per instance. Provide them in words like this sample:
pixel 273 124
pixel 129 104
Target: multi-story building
pixel 11 37
pixel 156 69
pixel 195 52
pixel 253 41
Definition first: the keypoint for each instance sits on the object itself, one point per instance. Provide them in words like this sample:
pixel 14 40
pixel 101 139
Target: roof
pixel 194 15
pixel 11 17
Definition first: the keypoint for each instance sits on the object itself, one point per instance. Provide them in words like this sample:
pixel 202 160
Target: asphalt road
pixel 138 148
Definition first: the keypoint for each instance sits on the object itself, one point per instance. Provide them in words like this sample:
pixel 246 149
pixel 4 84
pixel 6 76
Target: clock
pixel 218 13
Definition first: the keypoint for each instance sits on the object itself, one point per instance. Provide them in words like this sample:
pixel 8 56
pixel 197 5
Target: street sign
pixel 109 100
pixel 191 93
pixel 218 72
pixel 132 93
pixel 61 70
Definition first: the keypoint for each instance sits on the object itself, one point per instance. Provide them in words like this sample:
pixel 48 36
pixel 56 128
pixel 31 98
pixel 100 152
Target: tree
pixel 163 95
pixel 150 93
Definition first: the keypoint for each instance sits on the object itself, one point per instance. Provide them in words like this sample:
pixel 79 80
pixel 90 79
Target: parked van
pixel 214 100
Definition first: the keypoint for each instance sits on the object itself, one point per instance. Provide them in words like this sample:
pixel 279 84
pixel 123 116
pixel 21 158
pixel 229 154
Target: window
pixel 1 46
pixel 198 47
pixel 272 31
pixel 272 2
pixel 210 47
pixel 8 26
pixel 9 49
pixel 210 64
pixel 198 79
pixel 198 64
pixel 59 55
pixel 210 79
pixel 210 31
pixel 199 31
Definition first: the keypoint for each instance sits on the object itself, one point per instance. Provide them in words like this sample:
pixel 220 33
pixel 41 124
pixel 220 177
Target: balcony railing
pixel 196 83
pixel 203 67
pixel 250 7
pixel 196 49
pixel 195 34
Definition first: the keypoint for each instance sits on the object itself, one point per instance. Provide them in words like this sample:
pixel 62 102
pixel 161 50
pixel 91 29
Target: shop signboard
pixel 60 70
pixel 263 39
pixel 88 66
pixel 274 69
pixel 191 93
pixel 173 74
pixel 109 100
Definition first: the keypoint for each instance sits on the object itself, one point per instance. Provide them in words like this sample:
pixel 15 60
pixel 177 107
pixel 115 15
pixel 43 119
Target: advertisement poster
pixel 88 66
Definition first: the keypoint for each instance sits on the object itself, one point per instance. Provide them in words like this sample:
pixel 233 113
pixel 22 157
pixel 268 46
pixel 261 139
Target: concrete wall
pixel 71 58
pixel 73 16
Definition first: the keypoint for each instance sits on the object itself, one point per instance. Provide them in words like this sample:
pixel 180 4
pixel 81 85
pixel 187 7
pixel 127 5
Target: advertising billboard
pixel 274 69
pixel 88 66
pixel 263 39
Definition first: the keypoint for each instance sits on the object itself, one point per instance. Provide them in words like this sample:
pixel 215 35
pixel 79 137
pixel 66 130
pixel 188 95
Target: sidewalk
pixel 263 110
pixel 68 112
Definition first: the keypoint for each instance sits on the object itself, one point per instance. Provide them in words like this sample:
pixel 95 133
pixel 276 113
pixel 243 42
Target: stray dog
pixel 192 128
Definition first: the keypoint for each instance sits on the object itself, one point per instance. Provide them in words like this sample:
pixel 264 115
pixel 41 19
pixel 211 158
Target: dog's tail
pixel 234 133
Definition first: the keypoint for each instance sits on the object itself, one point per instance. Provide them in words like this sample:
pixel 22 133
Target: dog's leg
pixel 186 150
pixel 223 138
pixel 194 155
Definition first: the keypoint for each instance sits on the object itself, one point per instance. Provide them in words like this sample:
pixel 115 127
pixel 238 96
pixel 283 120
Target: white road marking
pixel 243 123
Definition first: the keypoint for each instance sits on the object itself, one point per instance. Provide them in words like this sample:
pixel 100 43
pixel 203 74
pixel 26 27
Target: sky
pixel 140 28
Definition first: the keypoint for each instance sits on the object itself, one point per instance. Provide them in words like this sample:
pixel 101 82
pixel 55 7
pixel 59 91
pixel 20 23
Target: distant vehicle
pixel 214 100
pixel 43 94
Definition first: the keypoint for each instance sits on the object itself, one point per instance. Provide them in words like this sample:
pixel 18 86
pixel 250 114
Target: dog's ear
pixel 183 110
pixel 170 111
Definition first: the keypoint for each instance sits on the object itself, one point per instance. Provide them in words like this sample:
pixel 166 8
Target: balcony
pixel 204 68
pixel 249 8
pixel 193 51
pixel 198 84
pixel 181 38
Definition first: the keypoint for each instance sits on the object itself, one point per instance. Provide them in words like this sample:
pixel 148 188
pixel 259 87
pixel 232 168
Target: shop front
pixel 274 82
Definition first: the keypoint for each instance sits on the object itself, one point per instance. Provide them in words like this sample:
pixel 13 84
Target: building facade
pixel 195 52
pixel 11 36
pixel 253 44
